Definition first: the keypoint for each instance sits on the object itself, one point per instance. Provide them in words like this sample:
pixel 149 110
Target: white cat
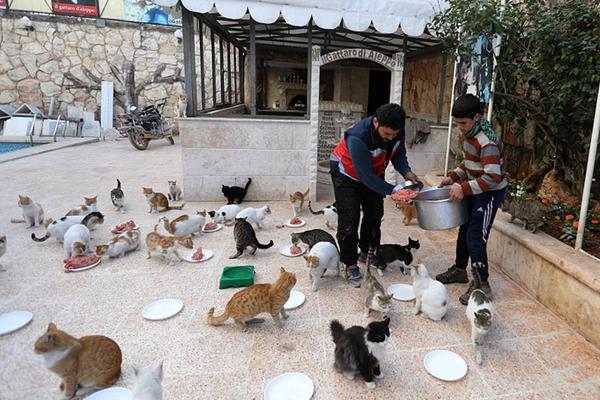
pixel 58 228
pixel 77 240
pixel 431 295
pixel 185 225
pixel 149 383
pixel 322 256
pixel 174 191
pixel 255 215
pixel 33 214
pixel 225 214
pixel 121 244
pixel 2 250
pixel 480 313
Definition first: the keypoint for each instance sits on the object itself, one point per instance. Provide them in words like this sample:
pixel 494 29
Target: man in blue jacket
pixel 358 166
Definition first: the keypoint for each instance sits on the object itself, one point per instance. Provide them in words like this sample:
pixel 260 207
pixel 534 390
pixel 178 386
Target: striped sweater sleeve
pixel 459 173
pixel 492 172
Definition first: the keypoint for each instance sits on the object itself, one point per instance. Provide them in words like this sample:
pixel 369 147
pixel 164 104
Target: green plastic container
pixel 237 276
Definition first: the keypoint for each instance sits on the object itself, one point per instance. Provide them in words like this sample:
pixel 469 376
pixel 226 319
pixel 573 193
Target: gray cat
pixel 312 237
pixel 529 212
pixel 374 294
pixel 246 237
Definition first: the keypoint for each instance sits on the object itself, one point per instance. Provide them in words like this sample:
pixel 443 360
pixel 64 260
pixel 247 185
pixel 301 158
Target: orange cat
pixel 409 211
pixel 251 301
pixel 84 209
pixel 158 201
pixel 297 200
pixel 167 245
pixel 87 363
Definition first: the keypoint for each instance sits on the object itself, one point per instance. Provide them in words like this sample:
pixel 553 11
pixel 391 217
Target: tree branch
pixel 116 73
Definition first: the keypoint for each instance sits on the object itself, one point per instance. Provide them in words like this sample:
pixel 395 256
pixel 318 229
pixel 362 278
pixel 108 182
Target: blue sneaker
pixel 354 275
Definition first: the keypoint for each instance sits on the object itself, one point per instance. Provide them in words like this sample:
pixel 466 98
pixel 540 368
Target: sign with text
pixel 364 54
pixel 82 8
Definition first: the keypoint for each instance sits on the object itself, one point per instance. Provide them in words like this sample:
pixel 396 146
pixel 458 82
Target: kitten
pixel 408 209
pixel 118 197
pixel 2 250
pixel 185 225
pixel 226 214
pixel 297 200
pixel 360 350
pixel 174 191
pixel 58 228
pixel 33 214
pixel 388 253
pixel 376 298
pixel 158 202
pixel 255 215
pixel 167 245
pixel 480 314
pixel 321 257
pixel 259 298
pixel 121 244
pixel 235 192
pixel 76 241
pixel 149 383
pixel 431 295
pixel 90 362
pixel 89 206
pixel 312 237
pixel 529 211
pixel 330 213
pixel 246 237
pixel 181 107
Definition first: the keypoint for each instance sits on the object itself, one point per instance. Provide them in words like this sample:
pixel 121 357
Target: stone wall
pixel 33 64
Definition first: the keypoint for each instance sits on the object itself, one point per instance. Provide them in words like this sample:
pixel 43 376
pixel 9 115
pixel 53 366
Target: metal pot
pixel 435 212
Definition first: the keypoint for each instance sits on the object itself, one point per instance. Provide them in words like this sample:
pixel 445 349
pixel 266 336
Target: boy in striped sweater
pixel 480 180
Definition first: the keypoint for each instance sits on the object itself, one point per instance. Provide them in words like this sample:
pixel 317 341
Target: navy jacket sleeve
pixel 361 158
pixel 400 162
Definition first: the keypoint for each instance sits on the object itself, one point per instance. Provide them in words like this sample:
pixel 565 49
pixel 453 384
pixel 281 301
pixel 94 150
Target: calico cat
pixel 88 363
pixel 149 383
pixel 84 209
pixel 185 225
pixel 235 192
pixel 297 200
pixel 181 107
pixel 330 214
pixel 255 215
pixel 76 241
pixel 529 211
pixel 431 295
pixel 312 237
pixel 408 209
pixel 376 298
pixel 33 214
pixel 388 253
pixel 158 202
pixel 167 245
pixel 259 298
pixel 2 250
pixel 322 256
pixel 226 214
pixel 480 314
pixel 174 191
pixel 246 237
pixel 58 228
pixel 360 350
pixel 121 244
pixel 118 197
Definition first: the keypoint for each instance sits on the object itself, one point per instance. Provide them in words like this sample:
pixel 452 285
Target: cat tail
pixel 176 208
pixel 17 221
pixel 337 330
pixel 42 239
pixel 212 320
pixel 264 246
pixel 118 184
pixel 314 212
pixel 247 184
pixel 305 194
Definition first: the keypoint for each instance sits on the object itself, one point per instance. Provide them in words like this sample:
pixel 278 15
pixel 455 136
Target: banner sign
pixel 82 8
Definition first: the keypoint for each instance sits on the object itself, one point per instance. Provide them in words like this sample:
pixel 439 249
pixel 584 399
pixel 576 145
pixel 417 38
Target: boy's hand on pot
pixel 456 193
pixel 446 181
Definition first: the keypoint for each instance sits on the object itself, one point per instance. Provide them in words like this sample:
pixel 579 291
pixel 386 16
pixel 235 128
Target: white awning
pixel 385 15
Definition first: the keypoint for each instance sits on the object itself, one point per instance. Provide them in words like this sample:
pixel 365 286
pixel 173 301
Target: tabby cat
pixel 168 246
pixel 297 200
pixel 388 253
pixel 479 313
pixel 312 237
pixel 158 201
pixel 33 214
pixel 528 211
pixel 235 192
pixel 259 298
pixel 87 363
pixel 246 237
pixel 376 298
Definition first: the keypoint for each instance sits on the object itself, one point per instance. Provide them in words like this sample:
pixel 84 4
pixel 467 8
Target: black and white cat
pixel 118 197
pixel 235 192
pixel 388 253
pixel 312 237
pixel 330 214
pixel 360 350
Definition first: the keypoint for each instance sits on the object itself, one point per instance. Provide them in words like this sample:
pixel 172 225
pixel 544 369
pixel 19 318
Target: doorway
pixel 379 90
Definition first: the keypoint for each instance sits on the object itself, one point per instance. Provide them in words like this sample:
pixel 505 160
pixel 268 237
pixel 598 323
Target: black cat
pixel 388 253
pixel 235 192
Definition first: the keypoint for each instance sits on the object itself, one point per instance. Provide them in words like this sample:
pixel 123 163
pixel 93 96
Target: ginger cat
pixel 167 245
pixel 87 363
pixel 84 209
pixel 297 201
pixel 251 301
pixel 33 214
pixel 409 211
pixel 158 202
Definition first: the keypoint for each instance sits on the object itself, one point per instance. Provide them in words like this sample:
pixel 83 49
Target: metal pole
pixel 440 105
pixel 309 69
pixel 589 175
pixel 496 55
pixel 450 116
pixel 189 61
pixel 252 68
pixel 202 70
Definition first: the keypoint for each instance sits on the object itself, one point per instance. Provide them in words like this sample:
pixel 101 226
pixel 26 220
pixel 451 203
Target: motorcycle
pixel 143 125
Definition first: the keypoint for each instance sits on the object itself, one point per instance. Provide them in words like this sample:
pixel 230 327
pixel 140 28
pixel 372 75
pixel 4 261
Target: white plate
pixel 285 250
pixel 218 228
pixel 187 256
pixel 290 386
pixel 445 365
pixel 296 299
pixel 287 223
pixel 112 393
pixel 402 291
pixel 84 268
pixel 162 309
pixel 13 321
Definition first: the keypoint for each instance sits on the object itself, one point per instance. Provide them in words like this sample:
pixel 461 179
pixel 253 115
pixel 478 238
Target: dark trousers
pixel 473 236
pixel 350 197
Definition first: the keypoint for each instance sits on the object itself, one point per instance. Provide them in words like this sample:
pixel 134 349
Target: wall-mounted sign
pixel 82 8
pixel 147 12
pixel 364 54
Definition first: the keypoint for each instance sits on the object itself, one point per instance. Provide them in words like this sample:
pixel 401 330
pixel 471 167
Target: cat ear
pixel 136 371
pixel 282 270
pixel 158 371
pixel 51 327
pixel 387 321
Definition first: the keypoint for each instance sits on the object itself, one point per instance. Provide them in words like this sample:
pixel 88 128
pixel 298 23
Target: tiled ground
pixel 531 353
